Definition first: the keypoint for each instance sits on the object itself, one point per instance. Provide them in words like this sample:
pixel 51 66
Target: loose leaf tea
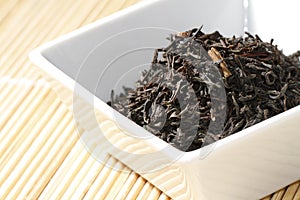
pixel 204 87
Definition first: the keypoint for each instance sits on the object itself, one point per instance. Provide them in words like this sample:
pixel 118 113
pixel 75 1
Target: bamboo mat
pixel 41 155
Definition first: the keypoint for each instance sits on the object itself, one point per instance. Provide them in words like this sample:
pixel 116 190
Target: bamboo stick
pixel 89 179
pixel 24 13
pixel 266 198
pixel 110 180
pixel 291 191
pixel 119 183
pixel 127 186
pixel 92 16
pixel 43 159
pixel 127 3
pixel 102 176
pixel 8 110
pixel 7 84
pixel 163 197
pixel 53 161
pixel 155 193
pixel 136 188
pixel 15 73
pixel 78 178
pixel 62 177
pixel 6 6
pixel 14 99
pixel 113 7
pixel 28 25
pixel 278 195
pixel 13 169
pixel 297 195
pixel 19 120
pixel 36 152
pixel 145 192
pixel 17 52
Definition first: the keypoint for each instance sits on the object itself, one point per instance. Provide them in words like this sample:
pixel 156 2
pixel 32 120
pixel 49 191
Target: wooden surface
pixel 40 152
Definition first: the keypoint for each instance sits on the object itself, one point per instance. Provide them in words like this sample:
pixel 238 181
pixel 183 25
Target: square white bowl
pixel 111 52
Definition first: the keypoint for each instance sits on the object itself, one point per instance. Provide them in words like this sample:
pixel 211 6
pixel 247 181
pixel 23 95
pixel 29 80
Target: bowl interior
pixel 112 52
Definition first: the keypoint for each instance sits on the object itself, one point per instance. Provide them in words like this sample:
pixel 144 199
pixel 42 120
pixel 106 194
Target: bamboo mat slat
pixel 41 155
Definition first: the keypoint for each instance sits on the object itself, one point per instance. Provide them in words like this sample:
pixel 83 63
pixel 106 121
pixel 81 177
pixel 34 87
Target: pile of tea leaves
pixel 204 87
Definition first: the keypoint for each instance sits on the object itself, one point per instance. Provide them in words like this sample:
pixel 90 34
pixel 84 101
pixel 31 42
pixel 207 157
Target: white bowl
pixel 109 53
